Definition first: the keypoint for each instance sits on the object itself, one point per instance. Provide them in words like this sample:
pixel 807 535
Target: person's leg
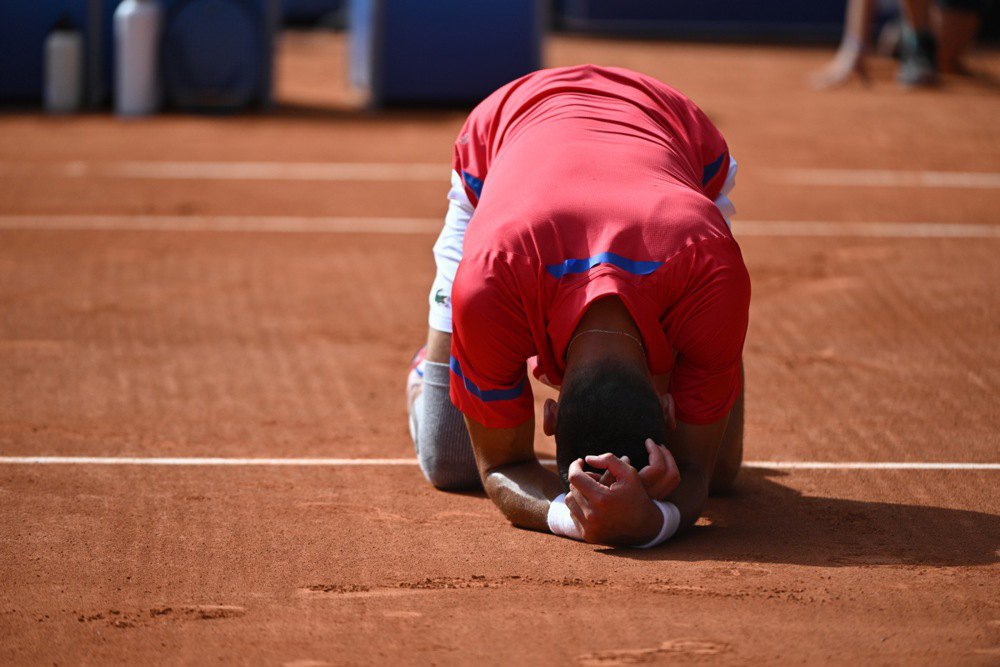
pixel 438 346
pixel 854 45
pixel 957 24
pixel 438 428
pixel 727 465
pixel 444 450
pixel 918 64
pixel 918 14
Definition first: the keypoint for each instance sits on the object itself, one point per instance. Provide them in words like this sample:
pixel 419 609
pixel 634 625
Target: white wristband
pixel 671 522
pixel 560 520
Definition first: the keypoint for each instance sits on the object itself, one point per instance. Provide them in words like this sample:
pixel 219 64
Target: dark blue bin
pixel 218 55
pixel 442 51
pixel 215 54
pixel 310 11
pixel 743 19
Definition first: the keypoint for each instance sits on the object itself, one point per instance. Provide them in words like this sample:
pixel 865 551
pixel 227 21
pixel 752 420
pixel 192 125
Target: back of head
pixel 607 407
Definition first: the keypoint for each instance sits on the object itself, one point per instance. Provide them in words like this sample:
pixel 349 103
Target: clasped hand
pixel 616 507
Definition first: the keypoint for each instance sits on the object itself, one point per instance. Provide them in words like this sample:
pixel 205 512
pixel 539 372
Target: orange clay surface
pixel 124 342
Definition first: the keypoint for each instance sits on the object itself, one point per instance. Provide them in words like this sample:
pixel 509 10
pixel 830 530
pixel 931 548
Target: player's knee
pixel 448 474
pixel 443 447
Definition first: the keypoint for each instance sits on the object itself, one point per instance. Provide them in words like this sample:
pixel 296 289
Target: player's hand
pixel 849 60
pixel 606 478
pixel 619 514
pixel 661 476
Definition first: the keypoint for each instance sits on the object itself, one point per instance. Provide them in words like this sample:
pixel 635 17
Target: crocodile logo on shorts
pixel 442 298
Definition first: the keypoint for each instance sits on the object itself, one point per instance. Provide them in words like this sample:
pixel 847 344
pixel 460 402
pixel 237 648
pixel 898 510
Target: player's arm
pixel 513 478
pixel 707 380
pixel 490 386
pixel 490 344
pixel 695 448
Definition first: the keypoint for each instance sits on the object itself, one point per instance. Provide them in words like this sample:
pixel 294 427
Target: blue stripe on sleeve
pixel 583 265
pixel 710 170
pixel 488 395
pixel 475 184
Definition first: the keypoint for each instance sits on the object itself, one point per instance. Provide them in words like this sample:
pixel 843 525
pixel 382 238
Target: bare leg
pixel 438 346
pixel 727 465
pixel 856 42
pixel 918 63
pixel 918 14
pixel 444 451
pixel 956 31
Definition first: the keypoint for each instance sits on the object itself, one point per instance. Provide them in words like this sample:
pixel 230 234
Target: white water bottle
pixel 137 47
pixel 63 68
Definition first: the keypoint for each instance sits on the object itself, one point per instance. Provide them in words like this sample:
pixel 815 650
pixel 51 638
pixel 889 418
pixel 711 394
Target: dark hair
pixel 606 407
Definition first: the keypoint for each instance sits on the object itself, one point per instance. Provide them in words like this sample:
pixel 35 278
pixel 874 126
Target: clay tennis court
pixel 250 290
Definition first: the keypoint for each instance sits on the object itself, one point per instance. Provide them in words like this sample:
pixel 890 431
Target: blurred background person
pixel 935 37
pixel 854 47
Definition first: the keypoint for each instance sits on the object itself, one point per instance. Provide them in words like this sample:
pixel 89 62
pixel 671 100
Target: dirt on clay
pixel 121 342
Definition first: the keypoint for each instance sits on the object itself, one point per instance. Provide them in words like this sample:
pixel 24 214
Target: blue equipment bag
pixel 442 51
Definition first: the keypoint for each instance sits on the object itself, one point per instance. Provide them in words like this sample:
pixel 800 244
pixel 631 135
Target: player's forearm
pixel 513 478
pixel 522 492
pixel 695 448
pixel 691 494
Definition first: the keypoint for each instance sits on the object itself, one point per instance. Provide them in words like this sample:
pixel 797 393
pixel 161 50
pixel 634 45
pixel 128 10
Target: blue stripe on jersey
pixel 475 184
pixel 488 395
pixel 583 265
pixel 710 170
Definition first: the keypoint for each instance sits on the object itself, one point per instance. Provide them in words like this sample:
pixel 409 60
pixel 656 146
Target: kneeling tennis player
pixel 587 242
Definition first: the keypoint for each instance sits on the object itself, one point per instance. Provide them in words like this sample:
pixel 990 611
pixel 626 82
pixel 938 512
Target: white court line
pixel 242 171
pixel 401 171
pixel 351 225
pixel 885 178
pixel 223 223
pixel 217 461
pixel 297 171
pixel 197 461
pixel 869 465
pixel 887 230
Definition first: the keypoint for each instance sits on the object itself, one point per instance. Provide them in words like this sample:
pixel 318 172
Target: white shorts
pixel 448 248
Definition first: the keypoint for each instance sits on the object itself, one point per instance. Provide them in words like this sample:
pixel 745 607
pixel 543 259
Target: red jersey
pixel 590 181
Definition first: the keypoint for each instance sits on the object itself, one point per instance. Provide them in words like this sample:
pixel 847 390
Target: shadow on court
pixel 767 522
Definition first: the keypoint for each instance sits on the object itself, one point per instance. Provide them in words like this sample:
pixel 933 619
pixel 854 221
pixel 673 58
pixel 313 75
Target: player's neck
pixel 606 331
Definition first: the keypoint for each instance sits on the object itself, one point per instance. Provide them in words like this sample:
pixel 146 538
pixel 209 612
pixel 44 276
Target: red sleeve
pixel 714 154
pixel 709 341
pixel 490 344
pixel 473 147
pixel 709 153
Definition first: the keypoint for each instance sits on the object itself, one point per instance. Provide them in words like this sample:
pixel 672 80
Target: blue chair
pixel 442 51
